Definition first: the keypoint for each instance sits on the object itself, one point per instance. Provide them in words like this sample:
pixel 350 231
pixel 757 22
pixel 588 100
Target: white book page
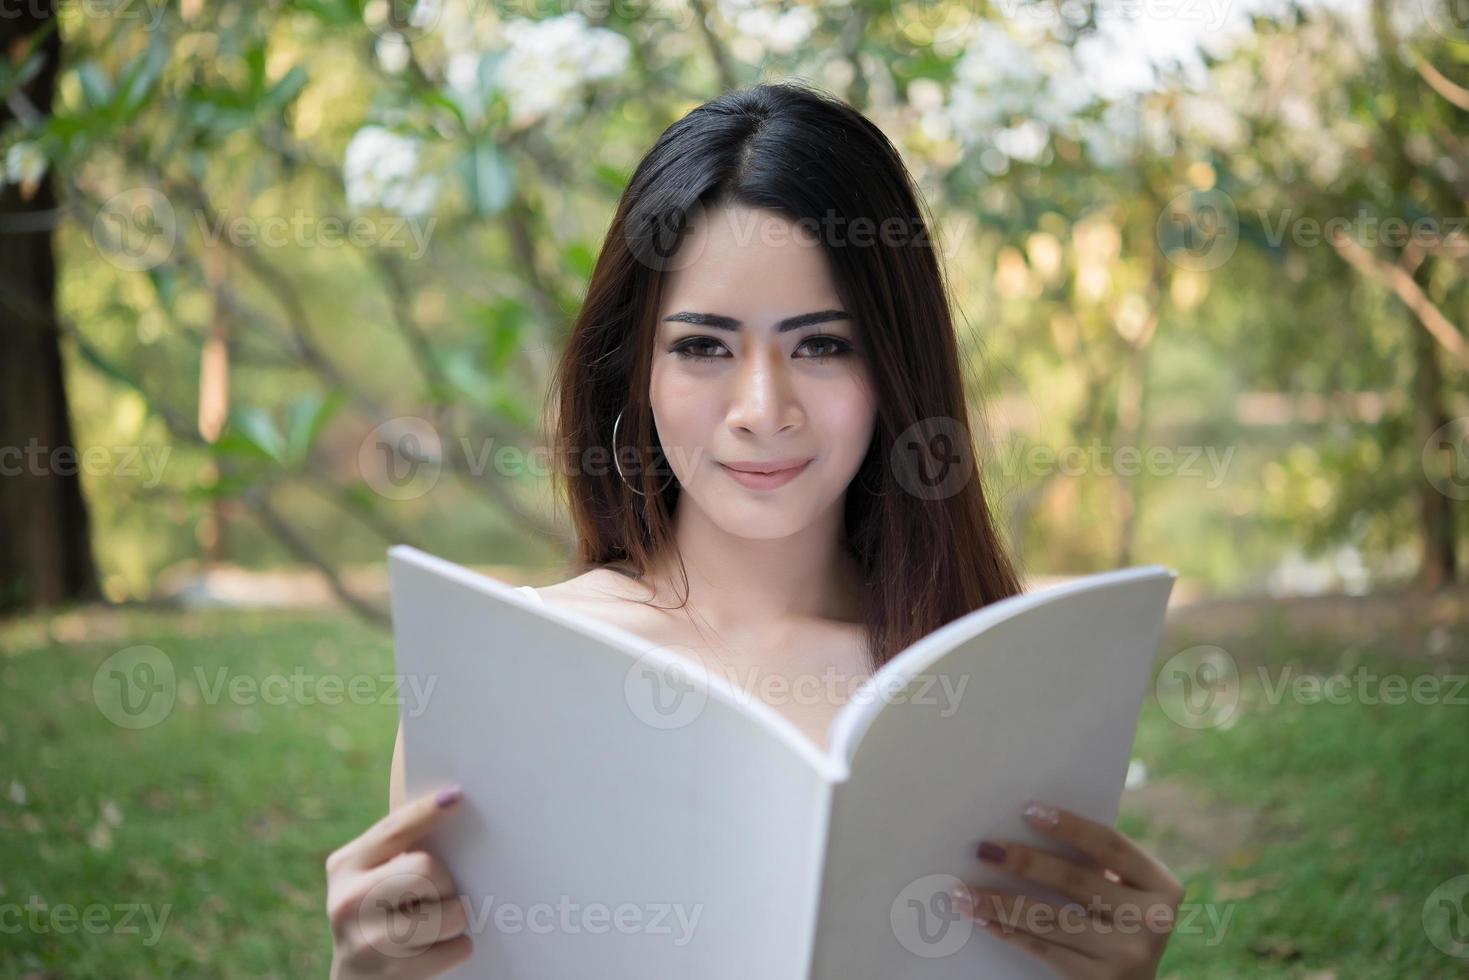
pixel 614 826
pixel 539 712
pixel 1038 700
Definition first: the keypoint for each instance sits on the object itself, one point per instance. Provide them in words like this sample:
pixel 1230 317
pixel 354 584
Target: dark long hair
pixel 920 528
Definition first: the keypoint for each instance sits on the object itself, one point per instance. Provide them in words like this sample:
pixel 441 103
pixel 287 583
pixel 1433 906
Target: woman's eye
pixel 694 348
pixel 827 346
pixel 709 349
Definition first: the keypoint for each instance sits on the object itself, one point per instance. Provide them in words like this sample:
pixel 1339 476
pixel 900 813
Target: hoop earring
pixel 615 423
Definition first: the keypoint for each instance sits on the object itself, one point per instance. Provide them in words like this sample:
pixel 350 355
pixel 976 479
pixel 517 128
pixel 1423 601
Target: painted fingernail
pixel 991 852
pixel 963 900
pixel 449 796
pixel 1039 813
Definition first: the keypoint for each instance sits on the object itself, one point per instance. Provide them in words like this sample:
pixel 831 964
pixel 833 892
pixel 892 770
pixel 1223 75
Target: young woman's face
pixel 757 365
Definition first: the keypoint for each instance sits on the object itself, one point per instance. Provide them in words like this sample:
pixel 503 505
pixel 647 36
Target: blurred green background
pixel 315 260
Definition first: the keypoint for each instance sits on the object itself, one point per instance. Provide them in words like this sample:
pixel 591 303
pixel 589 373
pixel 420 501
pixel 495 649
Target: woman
pixel 766 348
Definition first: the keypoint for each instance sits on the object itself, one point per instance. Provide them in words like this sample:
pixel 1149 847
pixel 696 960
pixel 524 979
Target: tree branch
pixel 1456 95
pixel 722 61
pixel 259 504
pixel 1402 284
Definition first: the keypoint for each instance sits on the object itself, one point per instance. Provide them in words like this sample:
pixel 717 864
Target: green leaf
pixel 165 284
pixel 610 177
pixel 111 370
pixel 494 396
pixel 235 444
pixel 488 177
pixel 283 92
pixel 432 97
pixel 504 322
pixel 361 496
pixel 467 379
pixel 580 258
pixel 255 61
pixel 336 13
pixel 305 419
pixel 95 85
pixel 253 432
pixel 141 75
pixel 10 80
pixel 508 405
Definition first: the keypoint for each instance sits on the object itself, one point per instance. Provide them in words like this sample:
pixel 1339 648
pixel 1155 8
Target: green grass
pixel 222 813
pixel 1362 810
pixel 227 810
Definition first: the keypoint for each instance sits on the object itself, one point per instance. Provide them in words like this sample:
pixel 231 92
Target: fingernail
pixel 1045 816
pixel 991 852
pixel 962 900
pixel 449 796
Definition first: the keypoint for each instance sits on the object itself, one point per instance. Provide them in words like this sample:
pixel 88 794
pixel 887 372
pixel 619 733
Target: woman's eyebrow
pixel 721 322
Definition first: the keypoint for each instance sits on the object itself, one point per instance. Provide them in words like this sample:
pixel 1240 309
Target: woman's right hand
pixel 393 909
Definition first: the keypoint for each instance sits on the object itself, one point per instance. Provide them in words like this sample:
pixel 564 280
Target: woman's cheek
pixel 679 409
pixel 850 417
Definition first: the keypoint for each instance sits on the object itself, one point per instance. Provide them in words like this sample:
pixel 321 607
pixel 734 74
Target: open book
pixel 629 816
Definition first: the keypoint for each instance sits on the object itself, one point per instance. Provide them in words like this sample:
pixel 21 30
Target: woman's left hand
pixel 1125 900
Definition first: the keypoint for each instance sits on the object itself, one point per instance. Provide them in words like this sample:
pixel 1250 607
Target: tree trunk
pixel 45 549
pixel 1435 510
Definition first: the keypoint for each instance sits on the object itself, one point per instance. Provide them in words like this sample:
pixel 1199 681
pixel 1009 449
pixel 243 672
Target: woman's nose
pixel 764 400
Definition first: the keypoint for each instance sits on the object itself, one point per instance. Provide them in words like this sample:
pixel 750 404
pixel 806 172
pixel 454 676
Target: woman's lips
pixel 765 481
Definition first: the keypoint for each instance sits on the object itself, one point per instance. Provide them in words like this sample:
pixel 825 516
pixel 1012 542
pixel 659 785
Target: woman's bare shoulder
pixel 613 598
pixel 597 587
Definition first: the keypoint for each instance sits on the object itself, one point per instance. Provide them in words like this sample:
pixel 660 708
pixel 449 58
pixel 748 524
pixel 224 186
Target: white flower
pixel 776 30
pixel 1024 141
pixel 993 58
pixel 24 163
pixel 550 61
pixel 381 170
pixel 1112 140
pixel 994 79
pixel 462 71
pixel 392 52
pixel 1215 121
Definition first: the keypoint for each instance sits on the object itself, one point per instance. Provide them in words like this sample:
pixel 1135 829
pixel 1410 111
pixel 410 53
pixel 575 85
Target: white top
pixel 530 592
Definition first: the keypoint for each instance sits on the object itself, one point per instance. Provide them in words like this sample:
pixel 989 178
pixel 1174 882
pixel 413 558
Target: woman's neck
pixel 736 582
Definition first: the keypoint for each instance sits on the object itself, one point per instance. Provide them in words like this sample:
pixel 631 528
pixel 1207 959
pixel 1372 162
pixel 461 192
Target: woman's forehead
pixel 749 264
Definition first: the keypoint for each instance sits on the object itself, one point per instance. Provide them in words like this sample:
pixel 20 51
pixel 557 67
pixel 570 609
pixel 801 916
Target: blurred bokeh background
pixel 281 283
